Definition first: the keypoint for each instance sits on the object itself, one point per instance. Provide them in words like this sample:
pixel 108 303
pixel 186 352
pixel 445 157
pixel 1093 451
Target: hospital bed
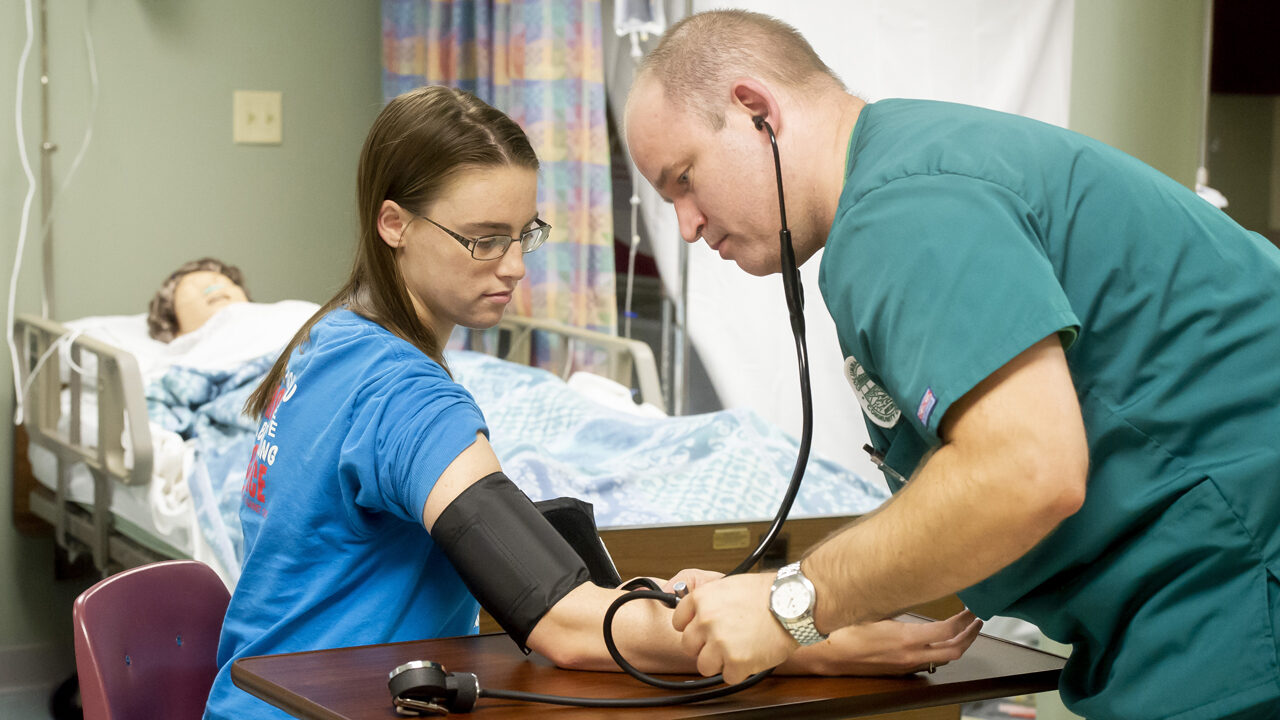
pixel 115 484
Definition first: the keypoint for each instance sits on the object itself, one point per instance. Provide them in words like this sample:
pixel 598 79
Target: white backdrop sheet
pixel 1009 56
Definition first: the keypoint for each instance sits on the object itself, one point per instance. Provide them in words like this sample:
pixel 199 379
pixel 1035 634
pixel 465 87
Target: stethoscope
pixel 425 687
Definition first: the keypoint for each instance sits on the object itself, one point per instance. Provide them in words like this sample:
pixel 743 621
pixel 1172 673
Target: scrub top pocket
pixel 901 458
pixel 1204 593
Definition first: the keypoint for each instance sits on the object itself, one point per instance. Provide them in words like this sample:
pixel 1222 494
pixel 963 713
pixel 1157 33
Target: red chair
pixel 147 641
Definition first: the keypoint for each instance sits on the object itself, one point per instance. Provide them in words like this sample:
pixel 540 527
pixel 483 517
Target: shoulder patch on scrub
pixel 927 403
pixel 875 402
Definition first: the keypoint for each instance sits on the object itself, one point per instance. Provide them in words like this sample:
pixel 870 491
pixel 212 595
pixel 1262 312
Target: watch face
pixel 790 600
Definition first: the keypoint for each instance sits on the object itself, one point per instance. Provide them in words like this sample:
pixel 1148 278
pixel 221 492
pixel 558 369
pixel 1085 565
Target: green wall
pixel 162 182
pixel 1136 79
pixel 26 590
pixel 1243 155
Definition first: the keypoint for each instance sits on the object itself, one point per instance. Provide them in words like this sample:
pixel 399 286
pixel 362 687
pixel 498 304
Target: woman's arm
pixel 471 464
pixel 571 633
pixel 571 636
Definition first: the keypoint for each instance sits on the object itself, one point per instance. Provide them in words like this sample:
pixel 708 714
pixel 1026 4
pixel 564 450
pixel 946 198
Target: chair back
pixel 147 641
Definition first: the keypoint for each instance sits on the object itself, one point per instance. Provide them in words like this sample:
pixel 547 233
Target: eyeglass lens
pixel 488 248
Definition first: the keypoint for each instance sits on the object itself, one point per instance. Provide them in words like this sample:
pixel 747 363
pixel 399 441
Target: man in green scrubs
pixel 1074 359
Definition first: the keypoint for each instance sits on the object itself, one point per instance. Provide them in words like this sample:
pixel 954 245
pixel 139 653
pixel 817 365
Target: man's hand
pixel 728 628
pixel 692 579
pixel 888 647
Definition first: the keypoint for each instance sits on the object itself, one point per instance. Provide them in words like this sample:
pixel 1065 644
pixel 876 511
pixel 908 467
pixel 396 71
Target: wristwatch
pixel 792 599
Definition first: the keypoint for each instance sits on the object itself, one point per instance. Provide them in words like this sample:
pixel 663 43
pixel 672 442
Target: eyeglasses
pixel 493 247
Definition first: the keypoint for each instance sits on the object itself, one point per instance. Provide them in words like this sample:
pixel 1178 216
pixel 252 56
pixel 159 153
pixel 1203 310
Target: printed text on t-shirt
pixel 265 450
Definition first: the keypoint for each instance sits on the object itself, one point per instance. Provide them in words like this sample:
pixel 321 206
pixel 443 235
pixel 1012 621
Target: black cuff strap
pixel 509 556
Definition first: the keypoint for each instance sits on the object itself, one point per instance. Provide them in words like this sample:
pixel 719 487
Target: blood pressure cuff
pixel 509 556
pixel 575 520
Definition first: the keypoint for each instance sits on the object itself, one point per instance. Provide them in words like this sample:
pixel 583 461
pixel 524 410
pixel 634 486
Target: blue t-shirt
pixel 335 551
pixel 964 236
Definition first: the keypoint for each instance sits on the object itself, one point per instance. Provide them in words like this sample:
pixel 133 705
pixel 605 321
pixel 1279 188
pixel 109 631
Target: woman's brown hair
pixel 418 142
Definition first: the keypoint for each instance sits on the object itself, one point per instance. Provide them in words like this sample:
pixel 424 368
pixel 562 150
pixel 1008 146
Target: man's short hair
pixel 700 55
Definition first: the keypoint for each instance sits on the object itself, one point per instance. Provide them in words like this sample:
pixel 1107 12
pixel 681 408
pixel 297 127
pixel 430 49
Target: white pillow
pixel 238 333
pixel 127 332
pixel 611 393
pixel 235 334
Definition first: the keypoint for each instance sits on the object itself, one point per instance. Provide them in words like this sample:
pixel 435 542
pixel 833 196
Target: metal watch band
pixel 802 629
pixel 789 570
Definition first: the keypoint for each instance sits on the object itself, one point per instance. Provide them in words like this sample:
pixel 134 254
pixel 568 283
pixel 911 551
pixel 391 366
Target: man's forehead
pixel 645 92
pixel 682 108
pixel 656 133
pixel 648 105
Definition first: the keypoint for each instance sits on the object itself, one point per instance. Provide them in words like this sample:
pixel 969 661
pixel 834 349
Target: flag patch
pixel 927 404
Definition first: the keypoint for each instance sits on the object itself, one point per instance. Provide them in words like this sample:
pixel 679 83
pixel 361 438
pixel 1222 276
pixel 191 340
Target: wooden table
pixel 351 683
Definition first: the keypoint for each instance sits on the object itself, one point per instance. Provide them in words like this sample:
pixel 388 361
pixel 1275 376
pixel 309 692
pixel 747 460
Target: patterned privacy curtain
pixel 540 62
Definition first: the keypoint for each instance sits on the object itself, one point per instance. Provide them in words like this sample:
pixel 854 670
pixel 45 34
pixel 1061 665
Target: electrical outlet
pixel 257 117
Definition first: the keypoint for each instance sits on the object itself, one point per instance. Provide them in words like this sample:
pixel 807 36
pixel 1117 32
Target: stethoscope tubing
pixel 795 306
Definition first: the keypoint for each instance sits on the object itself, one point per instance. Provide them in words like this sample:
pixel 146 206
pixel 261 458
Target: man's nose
pixel 691 220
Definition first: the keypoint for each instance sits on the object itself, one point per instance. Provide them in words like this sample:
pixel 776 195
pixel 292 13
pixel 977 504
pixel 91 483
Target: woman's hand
pixel 888 647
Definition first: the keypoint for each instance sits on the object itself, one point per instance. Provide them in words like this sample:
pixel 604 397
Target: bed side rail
pixel 120 409
pixel 625 359
pixel 121 405
pixel 121 400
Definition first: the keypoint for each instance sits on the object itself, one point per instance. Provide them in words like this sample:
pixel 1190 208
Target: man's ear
pixel 752 97
pixel 391 223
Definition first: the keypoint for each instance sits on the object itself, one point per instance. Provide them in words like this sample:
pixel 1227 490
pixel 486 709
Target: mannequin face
pixel 200 295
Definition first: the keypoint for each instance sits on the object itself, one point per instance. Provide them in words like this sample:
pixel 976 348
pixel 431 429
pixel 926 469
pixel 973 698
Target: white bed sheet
pixel 163 519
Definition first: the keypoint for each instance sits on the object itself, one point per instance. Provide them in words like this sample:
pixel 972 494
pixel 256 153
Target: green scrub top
pixel 964 236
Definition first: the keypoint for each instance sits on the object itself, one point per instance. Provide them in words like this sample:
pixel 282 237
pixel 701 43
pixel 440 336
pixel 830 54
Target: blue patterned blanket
pixel 204 408
pixel 551 440
pixel 637 470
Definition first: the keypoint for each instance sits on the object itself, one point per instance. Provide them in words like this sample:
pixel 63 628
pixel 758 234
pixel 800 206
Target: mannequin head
pixel 191 295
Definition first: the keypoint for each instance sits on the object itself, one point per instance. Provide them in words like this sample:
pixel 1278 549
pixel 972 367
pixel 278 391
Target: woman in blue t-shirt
pixel 373 507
